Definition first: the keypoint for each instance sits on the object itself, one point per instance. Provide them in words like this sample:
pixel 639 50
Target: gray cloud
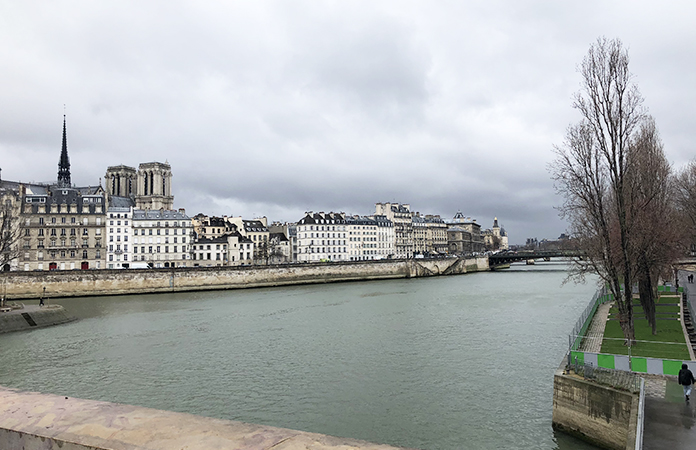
pixel 275 108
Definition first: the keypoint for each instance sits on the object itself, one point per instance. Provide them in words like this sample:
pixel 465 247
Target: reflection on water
pixel 433 363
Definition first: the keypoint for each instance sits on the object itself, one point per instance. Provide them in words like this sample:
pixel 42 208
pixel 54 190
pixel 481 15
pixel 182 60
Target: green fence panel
pixel 605 361
pixel 639 365
pixel 681 289
pixel 671 367
pixel 580 357
pixel 660 289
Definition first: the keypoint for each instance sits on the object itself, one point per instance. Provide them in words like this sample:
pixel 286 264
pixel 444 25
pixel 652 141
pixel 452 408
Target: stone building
pixel 61 225
pixel 289 229
pixel 162 238
pixel 385 237
pixel 495 238
pixel 464 235
pixel 400 215
pixel 62 228
pixel 322 237
pixel 119 234
pixel 231 249
pixel 257 231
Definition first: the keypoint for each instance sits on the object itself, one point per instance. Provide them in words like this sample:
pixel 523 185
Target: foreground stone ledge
pixel 34 421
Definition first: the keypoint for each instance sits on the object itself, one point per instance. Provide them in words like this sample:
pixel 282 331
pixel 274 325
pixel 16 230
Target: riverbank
pixel 33 316
pixel 33 420
pixel 82 283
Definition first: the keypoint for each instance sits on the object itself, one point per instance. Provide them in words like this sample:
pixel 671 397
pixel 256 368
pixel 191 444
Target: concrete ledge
pixel 33 316
pixel 601 415
pixel 34 421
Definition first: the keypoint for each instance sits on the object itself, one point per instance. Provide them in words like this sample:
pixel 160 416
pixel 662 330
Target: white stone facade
pixel 322 237
pixel 162 238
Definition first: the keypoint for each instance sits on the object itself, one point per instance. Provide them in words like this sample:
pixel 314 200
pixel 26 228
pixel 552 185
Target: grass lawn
pixel 664 344
pixel 667 331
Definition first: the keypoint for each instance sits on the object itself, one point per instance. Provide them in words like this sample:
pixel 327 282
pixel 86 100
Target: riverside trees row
pixel 626 208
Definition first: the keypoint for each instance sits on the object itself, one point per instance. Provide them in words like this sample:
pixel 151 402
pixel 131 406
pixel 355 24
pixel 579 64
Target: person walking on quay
pixel 686 379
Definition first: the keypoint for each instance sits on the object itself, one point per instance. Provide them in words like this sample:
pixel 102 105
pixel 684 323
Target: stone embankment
pixel 33 316
pixel 30 285
pixel 36 421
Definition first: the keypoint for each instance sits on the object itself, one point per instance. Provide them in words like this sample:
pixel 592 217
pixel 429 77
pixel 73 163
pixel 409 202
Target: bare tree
pixel 685 197
pixel 591 171
pixel 657 236
pixel 9 231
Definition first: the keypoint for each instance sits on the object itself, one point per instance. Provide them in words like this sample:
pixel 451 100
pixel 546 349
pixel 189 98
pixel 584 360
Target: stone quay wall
pixel 30 420
pixel 74 283
pixel 601 415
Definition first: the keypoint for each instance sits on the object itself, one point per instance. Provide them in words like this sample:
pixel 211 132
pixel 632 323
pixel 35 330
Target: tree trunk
pixel 646 293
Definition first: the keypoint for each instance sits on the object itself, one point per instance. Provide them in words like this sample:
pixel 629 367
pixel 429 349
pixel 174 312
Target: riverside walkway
pixel 670 422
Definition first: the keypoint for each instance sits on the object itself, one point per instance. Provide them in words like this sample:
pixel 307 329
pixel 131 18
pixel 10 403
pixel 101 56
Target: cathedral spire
pixel 64 163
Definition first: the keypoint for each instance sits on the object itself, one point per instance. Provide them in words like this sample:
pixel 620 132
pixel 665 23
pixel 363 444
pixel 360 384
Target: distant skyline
pixel 275 108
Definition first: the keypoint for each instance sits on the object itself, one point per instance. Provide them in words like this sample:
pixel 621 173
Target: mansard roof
pixel 158 214
pixel 280 237
pixel 331 218
pixel 121 202
pixel 254 226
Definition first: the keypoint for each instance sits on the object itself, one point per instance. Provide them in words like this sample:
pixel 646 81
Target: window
pixel 84 254
pixel 97 255
pixel 41 221
pixel 72 253
pixel 149 249
pixel 26 232
pixel 98 220
pixel 111 247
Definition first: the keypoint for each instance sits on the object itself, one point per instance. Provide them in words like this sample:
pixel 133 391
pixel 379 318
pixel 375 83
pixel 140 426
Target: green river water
pixel 459 362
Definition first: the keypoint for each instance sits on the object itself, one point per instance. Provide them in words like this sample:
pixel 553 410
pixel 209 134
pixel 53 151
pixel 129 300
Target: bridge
pixel 502 259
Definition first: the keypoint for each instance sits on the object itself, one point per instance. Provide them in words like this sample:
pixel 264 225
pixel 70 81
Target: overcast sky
pixel 280 107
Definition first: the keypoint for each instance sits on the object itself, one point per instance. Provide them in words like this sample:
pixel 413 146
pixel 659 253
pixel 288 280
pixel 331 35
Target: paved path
pixel 595 332
pixel 670 422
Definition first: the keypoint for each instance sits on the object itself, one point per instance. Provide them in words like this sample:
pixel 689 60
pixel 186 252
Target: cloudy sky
pixel 279 107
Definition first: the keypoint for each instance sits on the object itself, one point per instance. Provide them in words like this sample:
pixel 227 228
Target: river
pixel 459 362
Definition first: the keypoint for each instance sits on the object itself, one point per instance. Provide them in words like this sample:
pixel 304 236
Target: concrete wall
pixel 601 415
pixel 24 285
pixel 33 317
pixel 34 421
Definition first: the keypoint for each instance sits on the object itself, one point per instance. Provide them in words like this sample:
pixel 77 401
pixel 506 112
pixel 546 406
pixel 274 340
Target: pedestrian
pixel 686 379
pixel 41 303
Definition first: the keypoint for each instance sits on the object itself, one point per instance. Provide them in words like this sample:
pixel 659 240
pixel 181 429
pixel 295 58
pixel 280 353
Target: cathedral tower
pixel 154 186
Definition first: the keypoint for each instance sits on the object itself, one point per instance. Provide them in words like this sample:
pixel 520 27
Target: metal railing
pixel 601 296
pixel 617 379
pixel 641 416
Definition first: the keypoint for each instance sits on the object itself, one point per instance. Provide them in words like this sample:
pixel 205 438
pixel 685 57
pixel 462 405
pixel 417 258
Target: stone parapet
pixel 28 285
